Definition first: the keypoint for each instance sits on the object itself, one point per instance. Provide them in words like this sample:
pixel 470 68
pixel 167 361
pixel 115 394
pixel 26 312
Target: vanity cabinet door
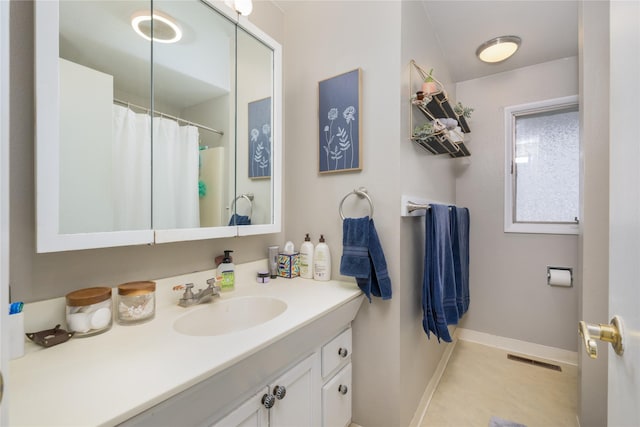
pixel 336 399
pixel 252 413
pixel 300 404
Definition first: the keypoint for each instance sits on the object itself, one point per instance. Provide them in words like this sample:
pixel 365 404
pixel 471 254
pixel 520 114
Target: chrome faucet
pixel 202 296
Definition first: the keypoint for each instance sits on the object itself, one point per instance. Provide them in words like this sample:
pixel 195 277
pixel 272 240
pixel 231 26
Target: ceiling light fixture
pixel 498 49
pixel 243 7
pixel 164 28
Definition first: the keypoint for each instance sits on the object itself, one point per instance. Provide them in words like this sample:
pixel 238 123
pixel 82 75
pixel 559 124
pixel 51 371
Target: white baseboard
pixel 418 417
pixel 517 346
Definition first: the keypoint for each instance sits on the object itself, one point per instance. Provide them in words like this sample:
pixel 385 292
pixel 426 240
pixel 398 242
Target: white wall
pixel 509 293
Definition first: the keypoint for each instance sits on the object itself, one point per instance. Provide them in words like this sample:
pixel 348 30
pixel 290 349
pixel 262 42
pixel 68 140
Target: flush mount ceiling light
pixel 243 7
pixel 498 49
pixel 165 29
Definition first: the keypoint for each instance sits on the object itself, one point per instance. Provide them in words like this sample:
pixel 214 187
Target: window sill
pixel 542 228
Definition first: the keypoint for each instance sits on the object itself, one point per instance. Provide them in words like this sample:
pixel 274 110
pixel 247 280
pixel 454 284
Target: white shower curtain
pixel 175 175
pixel 131 173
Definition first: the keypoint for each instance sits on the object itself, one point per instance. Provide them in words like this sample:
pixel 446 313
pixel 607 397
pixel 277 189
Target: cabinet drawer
pixel 336 399
pixel 336 352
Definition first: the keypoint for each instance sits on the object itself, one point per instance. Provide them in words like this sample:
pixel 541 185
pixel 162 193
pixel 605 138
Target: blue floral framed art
pixel 260 138
pixel 340 127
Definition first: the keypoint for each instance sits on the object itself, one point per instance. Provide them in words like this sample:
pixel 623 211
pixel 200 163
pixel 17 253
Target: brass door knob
pixel 612 333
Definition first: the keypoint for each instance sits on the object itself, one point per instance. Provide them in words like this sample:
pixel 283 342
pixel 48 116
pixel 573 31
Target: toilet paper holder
pixel 551 269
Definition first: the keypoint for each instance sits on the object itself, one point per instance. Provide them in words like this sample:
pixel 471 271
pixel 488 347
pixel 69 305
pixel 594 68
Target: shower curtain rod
pixel 177 119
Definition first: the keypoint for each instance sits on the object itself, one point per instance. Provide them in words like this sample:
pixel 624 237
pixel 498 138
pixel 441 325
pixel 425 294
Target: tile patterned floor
pixel 480 382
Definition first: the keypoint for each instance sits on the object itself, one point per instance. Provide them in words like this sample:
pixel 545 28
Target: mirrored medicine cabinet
pixel 156 121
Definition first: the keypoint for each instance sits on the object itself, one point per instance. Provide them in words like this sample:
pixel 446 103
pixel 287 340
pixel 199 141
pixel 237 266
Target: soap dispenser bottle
pixel 306 258
pixel 322 261
pixel 226 270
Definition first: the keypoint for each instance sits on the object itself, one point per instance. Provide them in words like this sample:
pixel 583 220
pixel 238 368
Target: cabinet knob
pixel 343 389
pixel 343 352
pixel 280 392
pixel 268 400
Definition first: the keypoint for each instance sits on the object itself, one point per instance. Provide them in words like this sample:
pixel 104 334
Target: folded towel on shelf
pixel 355 260
pixel 377 282
pixel 239 220
pixel 460 243
pixel 438 293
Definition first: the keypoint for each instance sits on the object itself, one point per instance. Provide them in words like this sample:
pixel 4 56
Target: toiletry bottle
pixel 273 261
pixel 226 271
pixel 306 258
pixel 322 261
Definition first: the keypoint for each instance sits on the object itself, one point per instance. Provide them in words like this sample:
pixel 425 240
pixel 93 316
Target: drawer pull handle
pixel 280 392
pixel 343 352
pixel 343 389
pixel 268 400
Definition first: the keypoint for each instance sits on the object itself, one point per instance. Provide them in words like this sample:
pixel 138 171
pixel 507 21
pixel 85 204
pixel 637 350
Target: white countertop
pixel 108 378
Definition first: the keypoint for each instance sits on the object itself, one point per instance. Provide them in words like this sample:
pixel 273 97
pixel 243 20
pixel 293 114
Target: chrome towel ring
pixel 248 197
pixel 362 193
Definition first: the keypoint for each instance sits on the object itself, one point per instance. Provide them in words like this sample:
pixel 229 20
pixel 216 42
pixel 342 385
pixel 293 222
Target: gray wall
pixel 509 293
pixel 36 277
pixel 429 177
pixel 593 242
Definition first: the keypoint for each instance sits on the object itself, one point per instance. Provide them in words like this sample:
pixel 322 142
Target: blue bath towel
pixel 438 292
pixel 377 282
pixel 239 220
pixel 355 260
pixel 460 242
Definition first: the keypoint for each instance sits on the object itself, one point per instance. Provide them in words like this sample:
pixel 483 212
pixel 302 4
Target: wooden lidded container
pixel 136 302
pixel 89 311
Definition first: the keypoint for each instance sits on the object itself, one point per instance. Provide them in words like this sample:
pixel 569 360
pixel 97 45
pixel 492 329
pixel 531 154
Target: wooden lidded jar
pixel 89 311
pixel 136 302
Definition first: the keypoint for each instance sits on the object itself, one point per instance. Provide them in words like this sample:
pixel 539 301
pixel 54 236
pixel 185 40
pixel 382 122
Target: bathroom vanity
pixel 293 369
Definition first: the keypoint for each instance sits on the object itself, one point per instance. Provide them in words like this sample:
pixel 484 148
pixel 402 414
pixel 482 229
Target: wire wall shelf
pixel 443 133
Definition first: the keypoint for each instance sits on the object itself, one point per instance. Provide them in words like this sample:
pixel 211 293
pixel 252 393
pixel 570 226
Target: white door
pixel 4 199
pixel 624 229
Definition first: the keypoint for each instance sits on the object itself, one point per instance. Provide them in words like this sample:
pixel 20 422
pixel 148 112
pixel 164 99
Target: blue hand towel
pixel 438 295
pixel 460 242
pixel 377 282
pixel 239 220
pixel 355 248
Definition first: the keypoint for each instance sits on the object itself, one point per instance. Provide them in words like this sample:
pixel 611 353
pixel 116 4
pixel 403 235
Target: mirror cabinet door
pixel 194 123
pixel 257 204
pixel 93 176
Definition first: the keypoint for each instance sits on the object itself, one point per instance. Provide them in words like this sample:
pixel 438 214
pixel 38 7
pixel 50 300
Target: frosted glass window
pixel 546 166
pixel 542 168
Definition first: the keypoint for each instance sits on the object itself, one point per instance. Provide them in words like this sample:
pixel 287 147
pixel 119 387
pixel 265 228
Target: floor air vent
pixel 534 362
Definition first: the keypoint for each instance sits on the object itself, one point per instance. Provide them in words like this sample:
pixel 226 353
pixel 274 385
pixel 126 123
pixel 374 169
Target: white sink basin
pixel 227 316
